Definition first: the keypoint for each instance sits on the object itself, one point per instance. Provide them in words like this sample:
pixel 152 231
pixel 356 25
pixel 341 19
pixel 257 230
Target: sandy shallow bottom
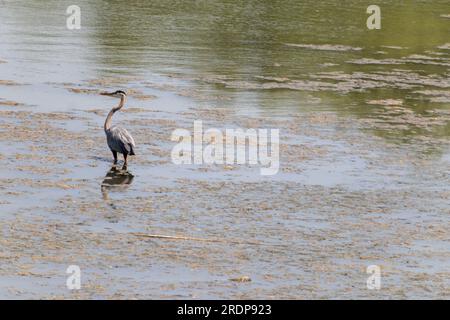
pixel 345 198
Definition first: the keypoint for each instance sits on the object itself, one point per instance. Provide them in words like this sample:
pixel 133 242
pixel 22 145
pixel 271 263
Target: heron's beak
pixel 106 93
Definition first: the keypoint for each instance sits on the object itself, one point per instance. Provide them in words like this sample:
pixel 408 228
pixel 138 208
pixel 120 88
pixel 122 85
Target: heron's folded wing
pixel 122 139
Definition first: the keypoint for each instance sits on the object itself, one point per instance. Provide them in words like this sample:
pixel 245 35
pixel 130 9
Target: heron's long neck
pixel 111 113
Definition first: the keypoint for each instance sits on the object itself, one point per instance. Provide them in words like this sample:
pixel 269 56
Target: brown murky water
pixel 364 150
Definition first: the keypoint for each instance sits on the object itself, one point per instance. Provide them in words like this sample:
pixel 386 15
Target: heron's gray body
pixel 120 140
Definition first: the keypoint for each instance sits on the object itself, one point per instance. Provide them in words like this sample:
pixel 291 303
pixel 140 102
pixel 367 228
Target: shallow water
pixel 364 119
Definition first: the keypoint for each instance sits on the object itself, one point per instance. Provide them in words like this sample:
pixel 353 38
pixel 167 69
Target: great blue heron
pixel 118 138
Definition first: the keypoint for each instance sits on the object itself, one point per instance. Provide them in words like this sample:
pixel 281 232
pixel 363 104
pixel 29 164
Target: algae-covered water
pixel 364 150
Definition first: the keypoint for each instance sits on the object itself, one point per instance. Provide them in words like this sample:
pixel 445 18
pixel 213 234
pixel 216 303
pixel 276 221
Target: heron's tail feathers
pixel 132 151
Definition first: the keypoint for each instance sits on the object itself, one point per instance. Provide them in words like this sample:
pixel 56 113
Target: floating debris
pixel 241 279
pixel 276 79
pixel 328 64
pixel 439 96
pixel 401 79
pixel 386 102
pixel 395 47
pixel 444 47
pixel 375 61
pixel 338 81
pixel 416 59
pixel 324 47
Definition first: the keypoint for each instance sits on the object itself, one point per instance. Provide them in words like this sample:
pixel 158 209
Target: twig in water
pixel 160 236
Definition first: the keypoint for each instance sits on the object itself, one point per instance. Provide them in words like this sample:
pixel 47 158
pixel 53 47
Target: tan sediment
pixel 84 90
pixel 10 103
pixel 144 97
pixel 109 81
pixel 175 226
pixel 9 83
pixel 136 94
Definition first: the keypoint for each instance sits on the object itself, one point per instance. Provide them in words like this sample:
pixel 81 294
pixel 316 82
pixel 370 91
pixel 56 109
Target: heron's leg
pixel 125 159
pixel 115 156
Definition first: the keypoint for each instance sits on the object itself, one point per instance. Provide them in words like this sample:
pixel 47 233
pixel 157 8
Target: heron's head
pixel 117 94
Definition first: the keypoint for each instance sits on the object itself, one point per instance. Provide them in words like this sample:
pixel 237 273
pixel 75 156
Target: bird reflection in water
pixel 116 179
